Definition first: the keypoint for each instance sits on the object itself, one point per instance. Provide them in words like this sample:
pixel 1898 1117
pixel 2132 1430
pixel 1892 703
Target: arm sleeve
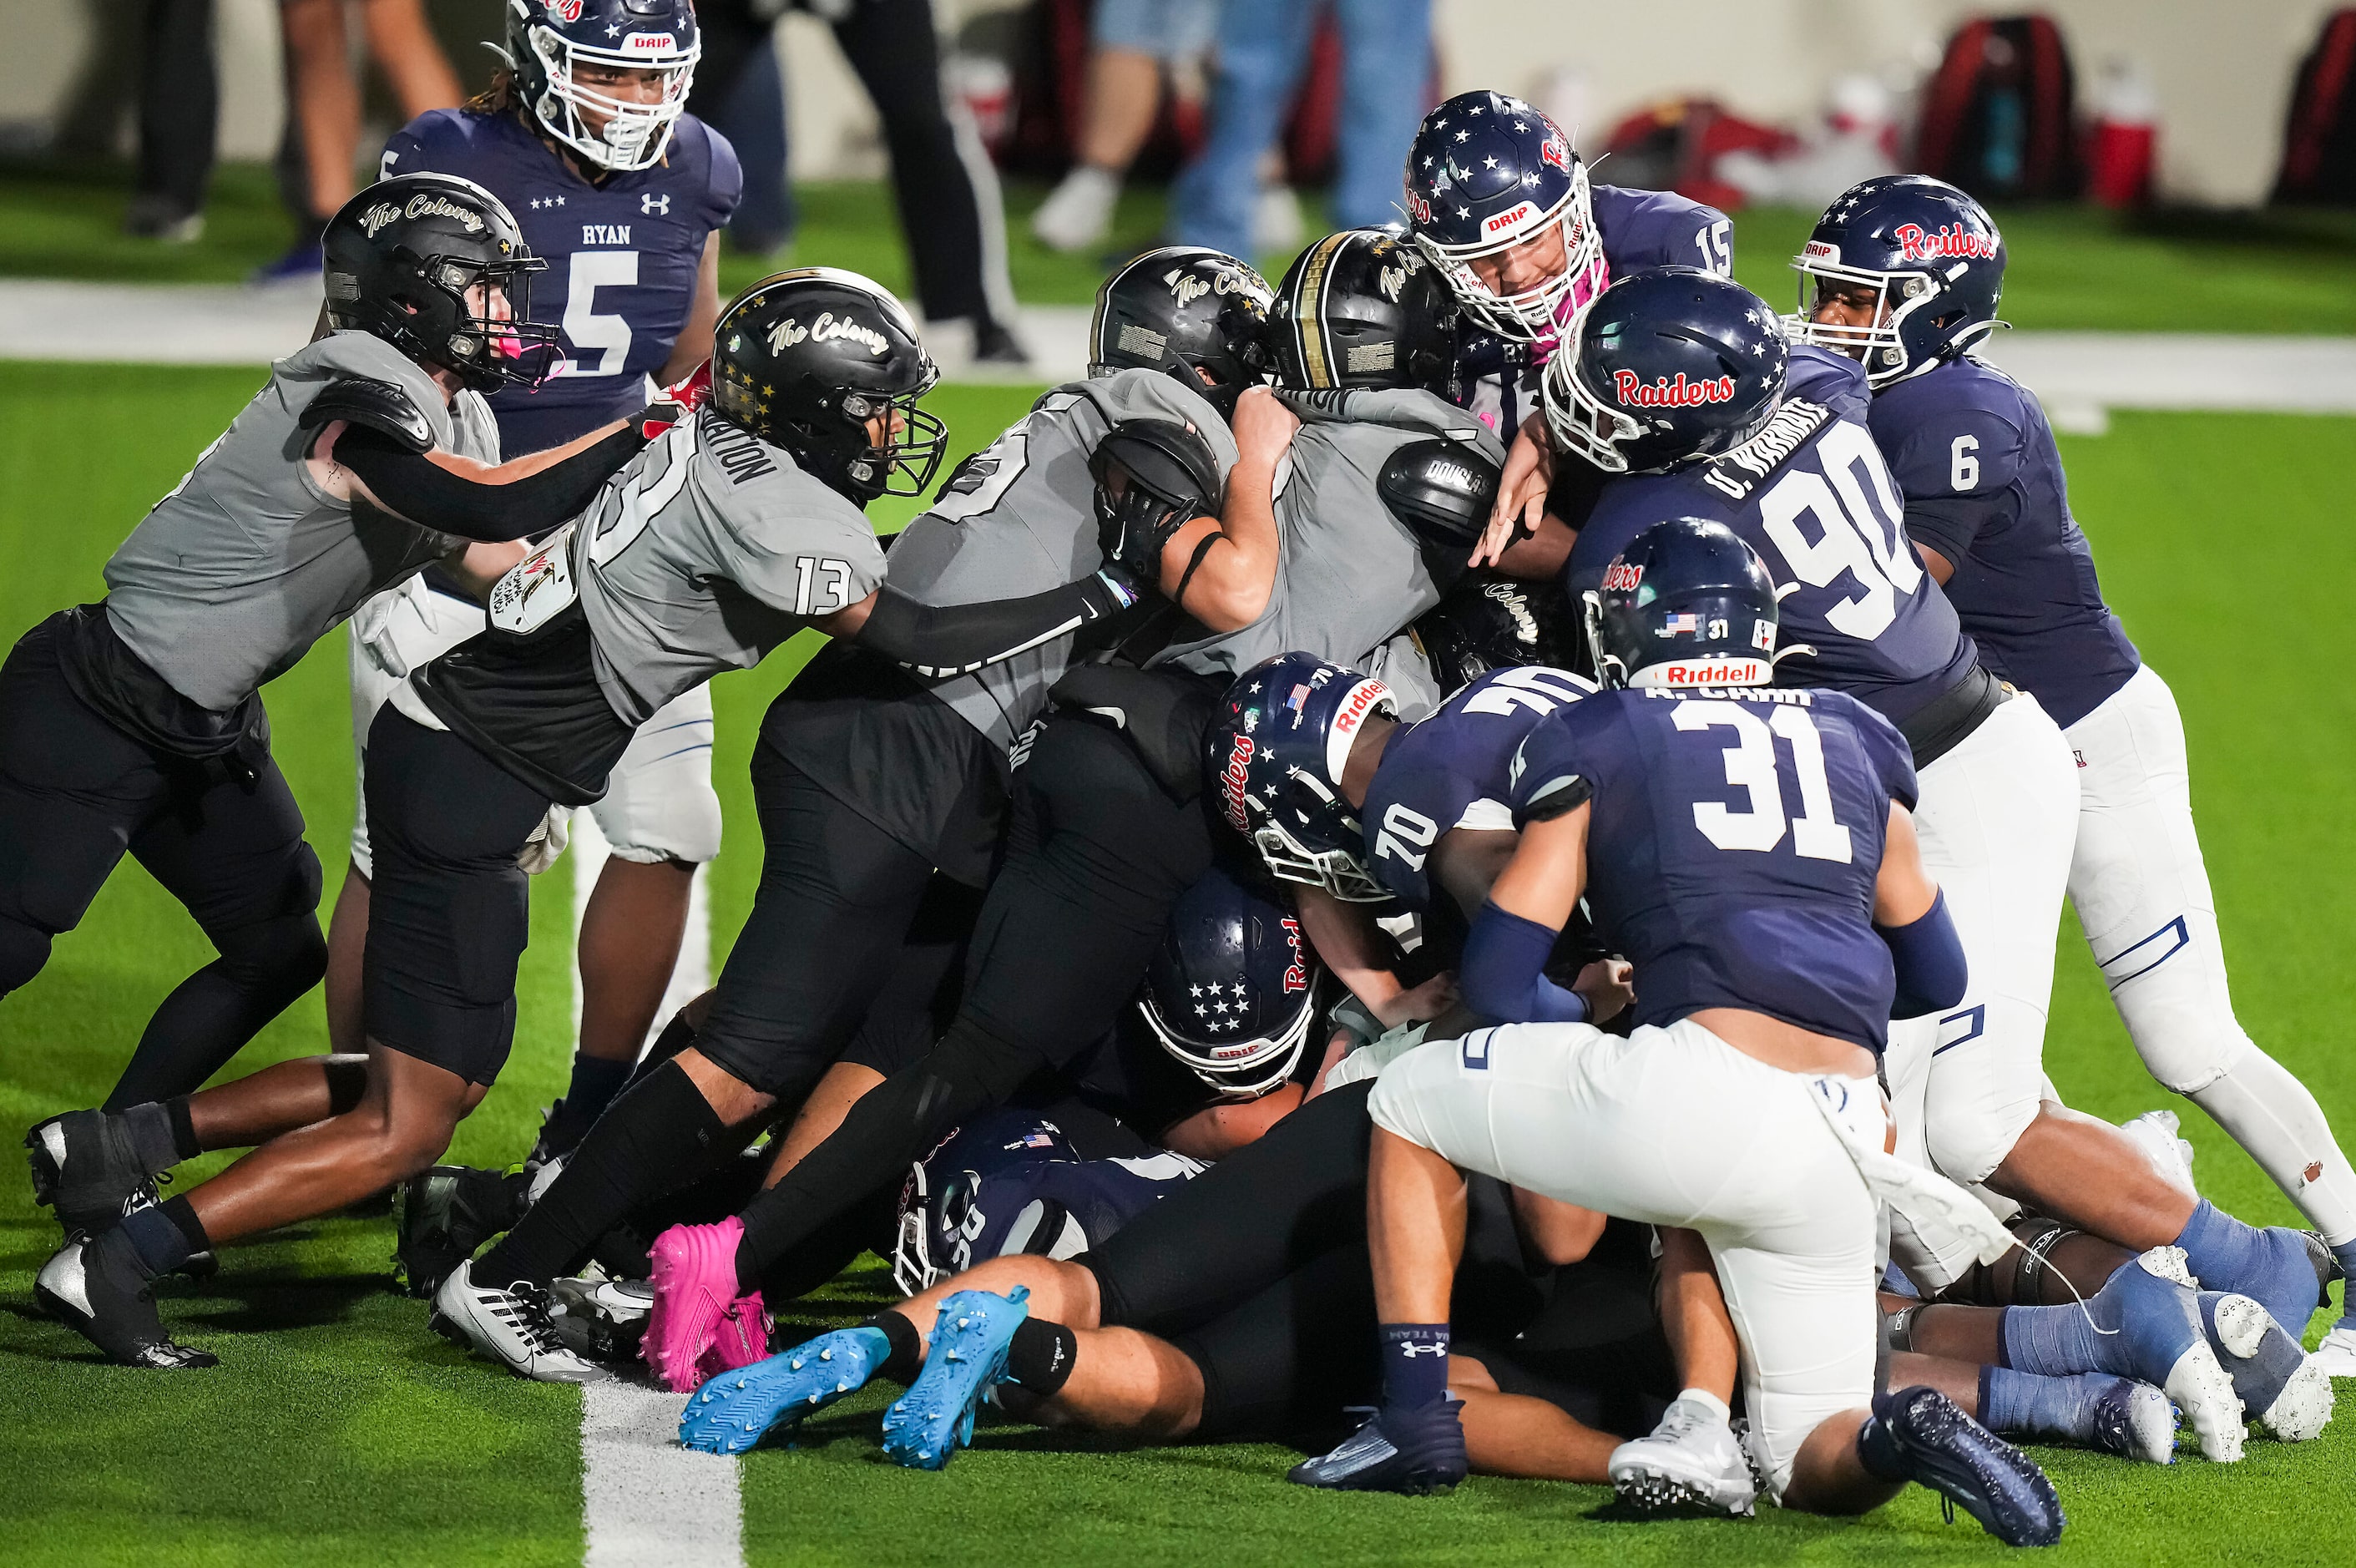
pixel 1502 973
pixel 936 640
pixel 1929 960
pixel 891 1127
pixel 432 497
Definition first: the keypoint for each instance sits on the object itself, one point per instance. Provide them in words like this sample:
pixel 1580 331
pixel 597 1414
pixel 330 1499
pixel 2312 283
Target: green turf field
pixel 2278 272
pixel 339 1429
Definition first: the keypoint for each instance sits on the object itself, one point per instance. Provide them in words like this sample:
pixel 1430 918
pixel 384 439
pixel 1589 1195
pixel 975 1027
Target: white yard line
pixel 645 1502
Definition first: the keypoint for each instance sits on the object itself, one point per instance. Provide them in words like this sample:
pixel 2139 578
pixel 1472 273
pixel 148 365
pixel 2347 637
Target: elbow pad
pixel 1504 973
pixel 1929 959
pixel 380 406
pixel 432 497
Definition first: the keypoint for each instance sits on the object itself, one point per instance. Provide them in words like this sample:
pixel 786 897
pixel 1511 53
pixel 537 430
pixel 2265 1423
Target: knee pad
pixel 1968 1143
pixel 2187 1050
pixel 287 956
pixel 22 951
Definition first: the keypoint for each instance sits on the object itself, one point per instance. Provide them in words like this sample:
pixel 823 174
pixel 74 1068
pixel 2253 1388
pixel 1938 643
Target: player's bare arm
pixel 1228 588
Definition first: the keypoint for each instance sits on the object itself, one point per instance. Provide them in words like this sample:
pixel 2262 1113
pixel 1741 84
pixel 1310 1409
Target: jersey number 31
pixel 1750 765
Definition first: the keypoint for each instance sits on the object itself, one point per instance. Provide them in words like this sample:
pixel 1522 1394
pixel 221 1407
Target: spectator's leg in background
pixel 944 183
pixel 324 101
pixel 752 115
pixel 1130 44
pixel 179 111
pixel 401 43
pixel 1262 49
pixel 1385 78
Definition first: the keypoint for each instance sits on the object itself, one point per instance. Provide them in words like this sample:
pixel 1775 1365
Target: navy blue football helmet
pixel 1674 363
pixel 1933 259
pixel 1686 603
pixel 1488 172
pixel 1363 309
pixel 549 40
pixel 1233 990
pixel 1275 755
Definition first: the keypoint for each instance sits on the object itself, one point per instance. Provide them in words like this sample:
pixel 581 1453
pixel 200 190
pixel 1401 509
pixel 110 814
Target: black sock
pixel 653 1139
pixel 595 1082
pixel 152 1141
pixel 164 1238
pixel 1877 1450
pixel 1041 1354
pixel 1415 1364
pixel 907 1346
pixel 184 1128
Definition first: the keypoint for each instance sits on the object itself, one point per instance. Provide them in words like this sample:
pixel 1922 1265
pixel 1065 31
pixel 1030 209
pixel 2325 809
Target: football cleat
pixel 94 1286
pixel 966 1357
pixel 735 1409
pixel 2284 1390
pixel 603 1319
pixel 510 1325
pixel 1691 1461
pixel 699 1325
pixel 2163 1342
pixel 84 1168
pixel 2155 1133
pixel 2337 1354
pixel 2135 1420
pixel 442 1217
pixel 1415 1452
pixel 1924 1436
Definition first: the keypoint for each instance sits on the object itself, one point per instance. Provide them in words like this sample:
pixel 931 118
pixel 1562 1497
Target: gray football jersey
pixel 1349 574
pixel 234 574
pixel 707 550
pixel 1020 518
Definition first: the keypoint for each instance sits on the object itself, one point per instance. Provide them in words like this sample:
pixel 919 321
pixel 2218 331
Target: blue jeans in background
pixel 1263 50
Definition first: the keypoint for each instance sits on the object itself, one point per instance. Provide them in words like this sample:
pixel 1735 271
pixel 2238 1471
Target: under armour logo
pixel 655 204
pixel 1423 1349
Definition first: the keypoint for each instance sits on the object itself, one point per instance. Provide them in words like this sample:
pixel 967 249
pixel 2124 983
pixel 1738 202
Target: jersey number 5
pixel 1750 767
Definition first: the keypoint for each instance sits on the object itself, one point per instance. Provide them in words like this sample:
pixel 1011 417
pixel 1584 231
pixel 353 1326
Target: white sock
pixel 2272 1114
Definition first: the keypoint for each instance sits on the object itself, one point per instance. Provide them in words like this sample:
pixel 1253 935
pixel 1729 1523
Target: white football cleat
pixel 2155 1133
pixel 1692 1460
pixel 510 1326
pixel 2337 1354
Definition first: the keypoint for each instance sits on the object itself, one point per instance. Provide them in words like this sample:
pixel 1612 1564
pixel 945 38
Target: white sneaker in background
pixel 1276 222
pixel 1078 212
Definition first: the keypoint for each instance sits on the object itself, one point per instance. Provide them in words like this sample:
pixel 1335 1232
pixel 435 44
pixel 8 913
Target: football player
pixel 1903 274
pixel 1384 486
pixel 135 722
pixel 877 785
pixel 1752 1073
pixel 584 134
pixel 741 527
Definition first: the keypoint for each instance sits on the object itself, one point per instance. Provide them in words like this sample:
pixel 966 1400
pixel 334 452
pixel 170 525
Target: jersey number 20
pixel 1750 765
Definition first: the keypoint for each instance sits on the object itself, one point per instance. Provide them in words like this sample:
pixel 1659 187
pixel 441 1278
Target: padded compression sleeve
pixel 432 497
pixel 938 641
pixel 893 1125
pixel 1928 957
pixel 1503 975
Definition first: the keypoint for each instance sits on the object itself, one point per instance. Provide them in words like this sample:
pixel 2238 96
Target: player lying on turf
pixel 1903 274
pixel 741 527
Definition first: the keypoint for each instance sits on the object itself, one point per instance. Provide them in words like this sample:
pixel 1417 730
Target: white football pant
pixel 2142 896
pixel 658 805
pixel 1673 1126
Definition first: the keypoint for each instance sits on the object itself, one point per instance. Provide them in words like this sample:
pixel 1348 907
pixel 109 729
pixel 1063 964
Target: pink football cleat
pixel 695 1296
pixel 741 1339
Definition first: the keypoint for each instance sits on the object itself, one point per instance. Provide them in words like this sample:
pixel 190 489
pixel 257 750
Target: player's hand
pixel 1521 493
pixel 1419 1003
pixel 677 402
pixel 1607 985
pixel 1263 427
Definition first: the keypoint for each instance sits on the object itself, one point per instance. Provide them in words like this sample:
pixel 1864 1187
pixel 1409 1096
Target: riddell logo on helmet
pixel 1358 704
pixel 1235 782
pixel 1511 220
pixel 1950 241
pixel 1717 672
pixel 1621 577
pixel 1296 973
pixel 1553 150
pixel 1665 393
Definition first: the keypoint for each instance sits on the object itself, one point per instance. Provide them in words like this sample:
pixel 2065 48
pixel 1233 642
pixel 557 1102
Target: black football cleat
pixel 1415 1452
pixel 443 1216
pixel 84 1167
pixel 1919 1434
pixel 95 1287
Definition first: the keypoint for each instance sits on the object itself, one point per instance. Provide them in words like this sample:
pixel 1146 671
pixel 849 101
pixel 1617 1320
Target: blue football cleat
pixel 2159 1340
pixel 734 1410
pixel 1416 1452
pixel 1922 1434
pixel 965 1360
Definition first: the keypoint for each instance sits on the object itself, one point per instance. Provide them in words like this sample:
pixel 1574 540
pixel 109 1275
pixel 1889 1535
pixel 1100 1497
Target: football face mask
pixel 1563 251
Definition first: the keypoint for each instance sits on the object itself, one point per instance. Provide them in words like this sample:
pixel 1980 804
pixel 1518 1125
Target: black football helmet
pixel 1686 603
pixel 1489 623
pixel 1233 992
pixel 1363 309
pixel 1180 309
pixel 804 359
pixel 1934 260
pixel 401 257
pixel 1673 363
pixel 548 38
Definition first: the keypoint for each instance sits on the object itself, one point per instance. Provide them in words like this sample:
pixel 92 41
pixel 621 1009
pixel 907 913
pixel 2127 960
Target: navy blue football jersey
pixel 1640 229
pixel 1973 455
pixel 1734 837
pixel 1452 770
pixel 623 258
pixel 1811 493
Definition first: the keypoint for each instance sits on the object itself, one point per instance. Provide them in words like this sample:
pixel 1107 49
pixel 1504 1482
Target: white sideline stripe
pixel 645 1502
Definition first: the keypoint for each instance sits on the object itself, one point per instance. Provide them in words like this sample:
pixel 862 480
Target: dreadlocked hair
pixel 499 95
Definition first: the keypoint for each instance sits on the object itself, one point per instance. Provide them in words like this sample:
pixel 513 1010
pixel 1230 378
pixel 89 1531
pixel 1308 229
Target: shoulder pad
pixel 1441 489
pixel 381 406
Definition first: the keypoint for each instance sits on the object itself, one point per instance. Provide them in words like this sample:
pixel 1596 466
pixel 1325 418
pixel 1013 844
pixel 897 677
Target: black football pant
pixel 76 793
pixel 179 101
